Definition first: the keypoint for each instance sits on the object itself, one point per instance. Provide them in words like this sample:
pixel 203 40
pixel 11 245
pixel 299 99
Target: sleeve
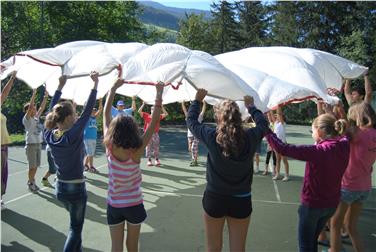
pixel 80 124
pixel 128 111
pixel 262 125
pixel 25 122
pixel 55 99
pixel 299 152
pixel 113 111
pixel 201 131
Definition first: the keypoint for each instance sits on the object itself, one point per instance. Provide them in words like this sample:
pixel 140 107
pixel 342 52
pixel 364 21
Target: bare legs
pixel 117 237
pixel 238 229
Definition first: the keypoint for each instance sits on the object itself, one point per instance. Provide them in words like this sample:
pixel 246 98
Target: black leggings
pixel 268 158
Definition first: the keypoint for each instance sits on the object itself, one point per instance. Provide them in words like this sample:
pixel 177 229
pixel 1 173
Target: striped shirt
pixel 124 187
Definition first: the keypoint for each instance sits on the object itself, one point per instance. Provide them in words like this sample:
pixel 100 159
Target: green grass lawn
pixel 17 139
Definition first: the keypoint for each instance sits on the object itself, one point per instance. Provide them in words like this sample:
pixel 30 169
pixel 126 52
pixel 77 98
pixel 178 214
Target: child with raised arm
pixel 229 169
pixel 153 146
pixel 192 140
pixel 326 161
pixel 357 180
pixel 64 133
pixel 358 94
pixel 124 149
pixel 5 139
pixel 33 137
pixel 90 138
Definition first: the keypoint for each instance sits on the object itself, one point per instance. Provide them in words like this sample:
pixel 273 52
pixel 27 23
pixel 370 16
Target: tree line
pixel 343 28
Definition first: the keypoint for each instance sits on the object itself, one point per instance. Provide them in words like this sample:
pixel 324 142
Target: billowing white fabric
pixel 171 63
pixel 272 75
pixel 283 74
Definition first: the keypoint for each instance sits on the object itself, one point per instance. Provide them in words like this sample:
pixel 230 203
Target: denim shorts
pixel 350 197
pixel 218 206
pixel 90 145
pixel 134 215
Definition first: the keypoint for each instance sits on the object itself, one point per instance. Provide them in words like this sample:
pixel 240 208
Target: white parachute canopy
pixel 104 59
pixel 282 74
pixel 39 66
pixel 184 71
pixel 272 75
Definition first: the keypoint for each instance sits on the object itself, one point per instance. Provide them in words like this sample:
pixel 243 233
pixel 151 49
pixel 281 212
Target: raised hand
pixel 94 76
pixel 248 101
pixel 200 95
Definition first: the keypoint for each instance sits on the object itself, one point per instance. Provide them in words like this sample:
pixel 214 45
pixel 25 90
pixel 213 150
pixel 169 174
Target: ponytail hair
pixel 330 126
pixel 58 114
pixel 230 132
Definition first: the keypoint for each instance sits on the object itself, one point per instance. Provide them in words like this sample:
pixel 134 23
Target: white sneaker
pixel 286 178
pixel 276 177
pixel 32 187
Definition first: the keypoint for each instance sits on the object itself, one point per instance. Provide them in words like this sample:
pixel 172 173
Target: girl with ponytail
pixel 229 169
pixel 64 134
pixel 326 161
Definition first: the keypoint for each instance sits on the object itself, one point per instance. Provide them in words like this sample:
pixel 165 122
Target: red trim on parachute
pixel 152 84
pixel 40 61
pixel 296 100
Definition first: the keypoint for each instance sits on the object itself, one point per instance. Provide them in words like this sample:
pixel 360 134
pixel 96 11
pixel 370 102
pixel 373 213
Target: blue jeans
pixel 311 223
pixel 74 198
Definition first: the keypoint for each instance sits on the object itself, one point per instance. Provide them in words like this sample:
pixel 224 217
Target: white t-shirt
pixel 33 129
pixel 200 119
pixel 279 130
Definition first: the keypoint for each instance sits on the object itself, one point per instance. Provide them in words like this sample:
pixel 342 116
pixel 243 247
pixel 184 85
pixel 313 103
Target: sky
pixel 193 4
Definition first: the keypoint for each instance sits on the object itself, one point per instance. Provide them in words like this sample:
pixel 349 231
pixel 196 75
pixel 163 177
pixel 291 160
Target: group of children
pixel 337 173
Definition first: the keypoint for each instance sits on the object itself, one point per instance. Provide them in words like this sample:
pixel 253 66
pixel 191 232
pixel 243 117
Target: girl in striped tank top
pixel 124 149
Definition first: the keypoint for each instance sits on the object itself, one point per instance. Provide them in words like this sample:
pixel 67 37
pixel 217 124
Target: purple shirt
pixel 325 164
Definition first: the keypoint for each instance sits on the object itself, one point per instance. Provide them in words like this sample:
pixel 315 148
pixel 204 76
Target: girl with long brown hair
pixel 229 172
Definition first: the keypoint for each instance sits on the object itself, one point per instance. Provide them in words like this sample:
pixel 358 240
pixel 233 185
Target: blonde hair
pixel 230 132
pixel 362 115
pixel 330 125
pixel 58 114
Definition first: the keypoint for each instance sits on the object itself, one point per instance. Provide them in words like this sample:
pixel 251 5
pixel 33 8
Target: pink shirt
pixel 124 187
pixel 147 120
pixel 357 176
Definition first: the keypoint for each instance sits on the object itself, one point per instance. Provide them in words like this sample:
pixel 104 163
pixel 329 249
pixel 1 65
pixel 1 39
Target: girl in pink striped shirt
pixel 124 148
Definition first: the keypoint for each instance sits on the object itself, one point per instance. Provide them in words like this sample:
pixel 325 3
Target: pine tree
pixel 224 27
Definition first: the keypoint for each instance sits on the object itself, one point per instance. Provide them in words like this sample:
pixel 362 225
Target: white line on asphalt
pixel 276 191
pixel 25 171
pixel 41 189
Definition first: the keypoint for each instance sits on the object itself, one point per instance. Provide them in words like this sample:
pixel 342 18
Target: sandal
pixel 87 168
pixel 93 170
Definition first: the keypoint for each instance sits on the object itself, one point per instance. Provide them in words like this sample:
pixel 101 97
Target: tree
pixel 284 24
pixel 253 23
pixel 224 27
pixel 194 33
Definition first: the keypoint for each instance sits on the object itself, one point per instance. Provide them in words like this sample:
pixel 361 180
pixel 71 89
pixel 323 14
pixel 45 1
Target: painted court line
pixel 25 171
pixel 17 161
pixel 277 195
